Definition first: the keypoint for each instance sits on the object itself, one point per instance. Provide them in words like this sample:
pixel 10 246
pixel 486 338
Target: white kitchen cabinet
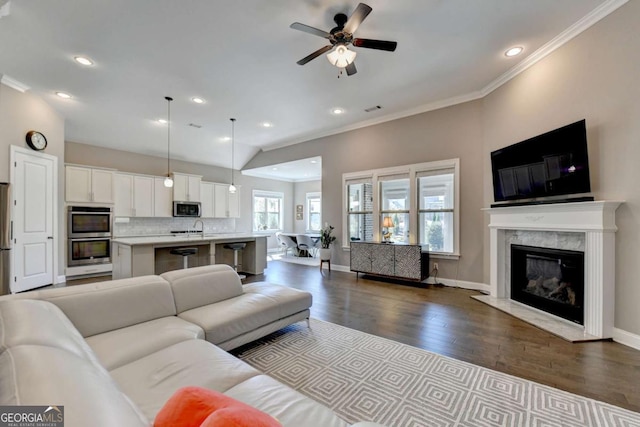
pixel 122 263
pixel 186 188
pixel 133 195
pixel 84 184
pixel 226 205
pixel 162 198
pixel 123 190
pixel 207 199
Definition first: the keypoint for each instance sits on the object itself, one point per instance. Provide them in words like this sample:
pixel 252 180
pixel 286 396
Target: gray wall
pixel 20 113
pixel 139 163
pixel 300 190
pixel 594 76
pixel 454 132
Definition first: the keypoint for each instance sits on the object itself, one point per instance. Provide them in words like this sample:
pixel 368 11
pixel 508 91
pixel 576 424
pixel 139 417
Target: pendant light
pixel 232 188
pixel 168 182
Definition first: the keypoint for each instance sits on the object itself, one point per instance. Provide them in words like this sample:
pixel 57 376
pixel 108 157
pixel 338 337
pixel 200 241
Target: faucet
pixel 202 229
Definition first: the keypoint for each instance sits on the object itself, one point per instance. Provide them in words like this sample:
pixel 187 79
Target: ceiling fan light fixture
pixel 341 56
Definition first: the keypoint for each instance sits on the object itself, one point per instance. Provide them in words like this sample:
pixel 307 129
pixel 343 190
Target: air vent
pixel 370 109
pixel 193 125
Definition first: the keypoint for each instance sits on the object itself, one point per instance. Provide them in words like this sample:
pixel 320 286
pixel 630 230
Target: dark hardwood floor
pixel 447 321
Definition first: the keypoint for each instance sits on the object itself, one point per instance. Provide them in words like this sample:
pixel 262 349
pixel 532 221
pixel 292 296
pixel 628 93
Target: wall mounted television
pixel 555 163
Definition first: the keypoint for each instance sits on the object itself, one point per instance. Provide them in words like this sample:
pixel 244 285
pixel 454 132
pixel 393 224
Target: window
pixel 267 211
pixel 414 204
pixel 436 200
pixel 314 207
pixel 394 197
pixel 360 210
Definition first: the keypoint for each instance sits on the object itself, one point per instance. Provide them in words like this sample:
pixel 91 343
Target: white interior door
pixel 33 220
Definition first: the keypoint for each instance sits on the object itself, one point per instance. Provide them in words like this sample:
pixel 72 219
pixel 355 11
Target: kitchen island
pixel 141 256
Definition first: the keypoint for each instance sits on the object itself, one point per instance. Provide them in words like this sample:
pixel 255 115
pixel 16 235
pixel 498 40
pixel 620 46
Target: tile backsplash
pixel 159 226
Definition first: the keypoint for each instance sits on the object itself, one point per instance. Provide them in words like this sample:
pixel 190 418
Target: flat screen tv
pixel 552 164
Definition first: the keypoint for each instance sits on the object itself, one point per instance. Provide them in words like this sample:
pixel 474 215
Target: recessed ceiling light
pixel 224 139
pixel 83 60
pixel 314 161
pixel 514 51
pixel 337 111
pixel 197 100
pixel 274 169
pixel 267 125
pixel 163 121
pixel 63 95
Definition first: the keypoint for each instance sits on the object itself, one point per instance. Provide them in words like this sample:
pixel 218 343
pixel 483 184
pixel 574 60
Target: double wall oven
pixel 89 231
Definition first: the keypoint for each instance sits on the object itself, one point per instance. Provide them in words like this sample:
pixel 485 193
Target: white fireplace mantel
pixel 596 220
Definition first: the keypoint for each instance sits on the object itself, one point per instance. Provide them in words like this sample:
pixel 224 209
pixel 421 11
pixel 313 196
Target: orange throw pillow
pixel 197 406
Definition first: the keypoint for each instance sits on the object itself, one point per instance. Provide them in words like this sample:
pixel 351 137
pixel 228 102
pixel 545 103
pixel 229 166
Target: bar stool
pixel 185 252
pixel 236 247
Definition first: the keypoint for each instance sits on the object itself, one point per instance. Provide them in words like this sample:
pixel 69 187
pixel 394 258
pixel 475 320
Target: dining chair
pixel 306 243
pixel 287 243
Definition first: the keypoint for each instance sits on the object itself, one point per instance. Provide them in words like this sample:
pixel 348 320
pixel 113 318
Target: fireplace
pixel 551 280
pixel 556 226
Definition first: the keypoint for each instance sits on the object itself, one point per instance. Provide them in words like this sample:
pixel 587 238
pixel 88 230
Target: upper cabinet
pixel 225 204
pixel 162 198
pixel 84 184
pixel 207 199
pixel 186 188
pixel 134 195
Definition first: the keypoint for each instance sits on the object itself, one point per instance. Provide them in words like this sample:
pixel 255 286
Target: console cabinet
pixel 406 262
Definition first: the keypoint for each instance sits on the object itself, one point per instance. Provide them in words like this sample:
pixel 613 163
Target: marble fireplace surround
pixel 583 226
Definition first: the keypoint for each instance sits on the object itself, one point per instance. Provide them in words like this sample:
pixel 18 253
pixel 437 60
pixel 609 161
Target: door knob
pixel 50 237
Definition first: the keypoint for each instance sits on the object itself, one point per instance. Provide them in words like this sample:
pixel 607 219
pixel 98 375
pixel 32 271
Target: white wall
pixel 300 190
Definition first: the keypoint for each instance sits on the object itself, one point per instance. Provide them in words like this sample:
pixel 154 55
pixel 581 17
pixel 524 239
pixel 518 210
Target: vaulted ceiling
pixel 240 58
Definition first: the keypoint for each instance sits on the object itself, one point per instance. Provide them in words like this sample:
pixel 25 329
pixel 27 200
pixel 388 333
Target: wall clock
pixel 36 140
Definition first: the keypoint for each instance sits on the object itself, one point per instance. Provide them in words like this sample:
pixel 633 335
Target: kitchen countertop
pixel 183 238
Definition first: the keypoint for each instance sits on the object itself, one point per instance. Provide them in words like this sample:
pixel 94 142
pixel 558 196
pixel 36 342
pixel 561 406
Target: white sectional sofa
pixel 113 352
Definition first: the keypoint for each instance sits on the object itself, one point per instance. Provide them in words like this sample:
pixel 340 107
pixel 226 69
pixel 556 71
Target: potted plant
pixel 326 239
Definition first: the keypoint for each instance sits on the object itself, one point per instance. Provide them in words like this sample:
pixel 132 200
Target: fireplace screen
pixel 551 280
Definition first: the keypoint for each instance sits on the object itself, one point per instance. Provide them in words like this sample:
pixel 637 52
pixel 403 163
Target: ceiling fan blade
pixel 356 18
pixel 315 54
pixel 351 69
pixel 310 30
pixel 375 44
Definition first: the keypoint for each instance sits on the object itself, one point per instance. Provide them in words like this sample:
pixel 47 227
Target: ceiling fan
pixel 341 36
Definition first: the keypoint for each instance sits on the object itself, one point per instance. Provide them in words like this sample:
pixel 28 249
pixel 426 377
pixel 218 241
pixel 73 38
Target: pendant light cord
pixel 233 139
pixel 169 99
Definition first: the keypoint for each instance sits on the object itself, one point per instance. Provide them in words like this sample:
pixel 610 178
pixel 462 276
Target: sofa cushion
pixel 151 380
pixel 237 316
pixel 25 321
pixel 200 407
pixel 42 375
pixel 105 306
pixel 195 287
pixel 122 346
pixel 288 406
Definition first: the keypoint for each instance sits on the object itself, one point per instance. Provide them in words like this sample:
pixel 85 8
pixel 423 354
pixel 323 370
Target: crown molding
pixel 583 24
pixel 13 83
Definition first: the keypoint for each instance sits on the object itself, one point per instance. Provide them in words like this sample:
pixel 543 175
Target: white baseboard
pixel 626 338
pixel 61 279
pixel 474 286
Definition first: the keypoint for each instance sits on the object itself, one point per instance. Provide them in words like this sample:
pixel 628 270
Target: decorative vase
pixel 325 254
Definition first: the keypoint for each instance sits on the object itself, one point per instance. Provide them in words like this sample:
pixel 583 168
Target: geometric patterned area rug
pixel 362 377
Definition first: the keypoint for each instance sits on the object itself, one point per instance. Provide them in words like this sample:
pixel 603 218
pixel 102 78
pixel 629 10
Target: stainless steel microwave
pixel 186 209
